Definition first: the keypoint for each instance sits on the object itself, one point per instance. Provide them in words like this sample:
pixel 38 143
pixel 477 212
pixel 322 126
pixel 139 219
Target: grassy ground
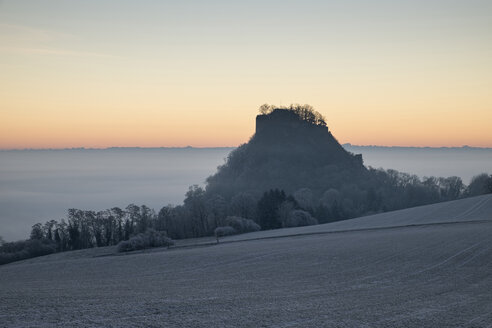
pixel 425 275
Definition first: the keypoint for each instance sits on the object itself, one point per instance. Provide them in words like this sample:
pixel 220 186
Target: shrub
pixel 148 239
pixel 299 218
pixel 242 225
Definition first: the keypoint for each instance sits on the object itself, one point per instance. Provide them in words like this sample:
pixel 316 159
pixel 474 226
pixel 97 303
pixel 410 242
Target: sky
pixel 177 73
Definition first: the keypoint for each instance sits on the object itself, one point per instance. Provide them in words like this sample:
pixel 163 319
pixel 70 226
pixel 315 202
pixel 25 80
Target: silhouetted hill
pixel 293 150
pixel 283 132
pixel 286 152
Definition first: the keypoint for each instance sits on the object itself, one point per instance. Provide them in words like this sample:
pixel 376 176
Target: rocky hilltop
pixel 292 148
pixel 284 130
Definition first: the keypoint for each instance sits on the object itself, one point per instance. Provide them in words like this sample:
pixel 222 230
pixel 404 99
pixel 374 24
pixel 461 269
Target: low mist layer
pixel 40 185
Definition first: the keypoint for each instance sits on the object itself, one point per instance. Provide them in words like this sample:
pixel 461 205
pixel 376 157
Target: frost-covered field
pixel 413 274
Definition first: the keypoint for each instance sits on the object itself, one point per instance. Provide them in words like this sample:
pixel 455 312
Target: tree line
pixel 202 213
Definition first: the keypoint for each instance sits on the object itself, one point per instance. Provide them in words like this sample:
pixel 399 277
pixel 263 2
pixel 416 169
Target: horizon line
pixel 347 144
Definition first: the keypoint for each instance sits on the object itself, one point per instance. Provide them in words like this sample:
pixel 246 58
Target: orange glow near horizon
pixel 390 75
pixel 224 126
pixel 158 131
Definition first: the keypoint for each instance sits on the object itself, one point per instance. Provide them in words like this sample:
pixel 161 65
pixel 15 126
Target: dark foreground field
pixel 420 273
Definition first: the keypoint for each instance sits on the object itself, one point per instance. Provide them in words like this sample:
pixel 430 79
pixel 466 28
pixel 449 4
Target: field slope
pixel 428 266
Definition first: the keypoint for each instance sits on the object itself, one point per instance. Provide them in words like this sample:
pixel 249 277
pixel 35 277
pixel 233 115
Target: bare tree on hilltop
pixel 304 112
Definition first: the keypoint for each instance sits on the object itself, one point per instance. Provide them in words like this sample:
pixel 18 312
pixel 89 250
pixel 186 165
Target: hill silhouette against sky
pixel 288 151
pixel 293 150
